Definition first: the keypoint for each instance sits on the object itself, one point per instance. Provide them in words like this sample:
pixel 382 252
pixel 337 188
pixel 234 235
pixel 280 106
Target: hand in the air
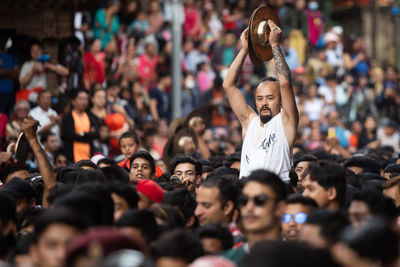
pixel 244 40
pixel 29 127
pixel 275 34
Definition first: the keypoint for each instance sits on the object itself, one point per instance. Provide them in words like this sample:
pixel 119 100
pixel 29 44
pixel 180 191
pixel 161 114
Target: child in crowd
pixel 129 144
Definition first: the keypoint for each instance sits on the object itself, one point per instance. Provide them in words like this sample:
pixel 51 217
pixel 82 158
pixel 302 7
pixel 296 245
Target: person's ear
pixel 190 222
pixel 228 208
pixel 332 194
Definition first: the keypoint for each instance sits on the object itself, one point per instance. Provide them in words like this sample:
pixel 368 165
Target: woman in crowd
pixel 94 65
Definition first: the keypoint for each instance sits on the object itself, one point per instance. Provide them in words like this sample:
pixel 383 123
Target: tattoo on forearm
pixel 280 63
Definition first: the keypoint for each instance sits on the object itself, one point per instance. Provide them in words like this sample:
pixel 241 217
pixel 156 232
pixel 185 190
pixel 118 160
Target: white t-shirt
pixel 313 108
pixel 44 118
pixel 38 78
pixel 266 147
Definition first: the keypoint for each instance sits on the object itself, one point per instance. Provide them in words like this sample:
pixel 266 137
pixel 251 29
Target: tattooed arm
pixel 235 97
pixel 290 113
pixel 29 126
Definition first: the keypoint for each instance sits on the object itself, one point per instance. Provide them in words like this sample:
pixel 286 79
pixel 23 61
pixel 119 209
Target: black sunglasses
pixel 258 200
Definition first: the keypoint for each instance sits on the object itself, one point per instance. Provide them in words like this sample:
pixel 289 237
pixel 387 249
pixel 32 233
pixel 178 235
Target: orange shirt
pixel 82 124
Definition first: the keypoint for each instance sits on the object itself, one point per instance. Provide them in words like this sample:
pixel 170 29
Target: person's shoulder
pixel 235 254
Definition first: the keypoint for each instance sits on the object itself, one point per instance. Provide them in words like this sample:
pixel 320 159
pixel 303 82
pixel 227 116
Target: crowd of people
pixel 112 179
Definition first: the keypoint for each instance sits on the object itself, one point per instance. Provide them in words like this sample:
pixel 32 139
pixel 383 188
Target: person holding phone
pixel 32 76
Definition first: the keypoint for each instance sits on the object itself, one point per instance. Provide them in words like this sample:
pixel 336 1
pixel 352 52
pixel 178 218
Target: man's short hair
pixel 56 216
pixel 45 136
pixel 178 244
pixel 377 203
pixel 107 161
pixel 395 181
pixel 367 164
pixel 144 155
pixel 179 159
pixel 269 179
pixel 86 163
pixel 183 200
pixel 143 220
pixel 306 157
pixel 11 169
pixel 393 169
pixel 275 253
pixel 269 79
pixel 235 157
pixel 303 200
pixel 126 192
pixel 215 230
pixel 329 174
pixel 331 223
pixel 131 134
pixel 228 189
pixel 8 211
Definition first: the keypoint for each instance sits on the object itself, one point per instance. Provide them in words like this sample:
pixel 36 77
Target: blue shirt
pixel 7 61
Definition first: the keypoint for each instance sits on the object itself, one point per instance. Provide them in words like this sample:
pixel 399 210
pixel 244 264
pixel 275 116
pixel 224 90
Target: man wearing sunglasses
pixel 295 214
pixel 261 206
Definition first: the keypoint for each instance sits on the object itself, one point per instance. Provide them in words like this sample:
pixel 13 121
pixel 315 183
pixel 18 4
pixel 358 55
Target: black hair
pixel 375 240
pixel 44 136
pixel 331 223
pixel 102 196
pixel 215 230
pixel 393 169
pixel 303 200
pixel 170 216
pixel 228 189
pixel 131 134
pixel 368 164
pixel 11 169
pixel 73 94
pixel 128 193
pixel 275 253
pixel 225 171
pixel 57 216
pixel 229 160
pixel 268 79
pixel 8 211
pixel 116 173
pixel 377 203
pixel 144 155
pixel 23 245
pixel 74 175
pixel 82 204
pixel 306 157
pixel 86 163
pixel 269 179
pixel 329 174
pixel 178 244
pixel 184 159
pixel 107 161
pixel 183 200
pixel 144 220
pixel 387 162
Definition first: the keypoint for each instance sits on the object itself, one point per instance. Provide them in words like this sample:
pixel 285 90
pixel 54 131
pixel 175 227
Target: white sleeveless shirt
pixel 266 147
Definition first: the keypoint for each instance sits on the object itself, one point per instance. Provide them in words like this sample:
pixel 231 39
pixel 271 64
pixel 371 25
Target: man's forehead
pixel 267 88
pixel 186 166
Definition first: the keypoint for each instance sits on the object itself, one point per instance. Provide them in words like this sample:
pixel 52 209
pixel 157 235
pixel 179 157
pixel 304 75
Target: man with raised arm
pixel 270 134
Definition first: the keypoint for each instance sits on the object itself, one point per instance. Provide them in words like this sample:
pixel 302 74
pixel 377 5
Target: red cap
pixel 151 190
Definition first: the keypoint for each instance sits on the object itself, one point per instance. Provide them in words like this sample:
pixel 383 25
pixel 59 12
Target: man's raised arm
pixel 290 114
pixel 235 97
